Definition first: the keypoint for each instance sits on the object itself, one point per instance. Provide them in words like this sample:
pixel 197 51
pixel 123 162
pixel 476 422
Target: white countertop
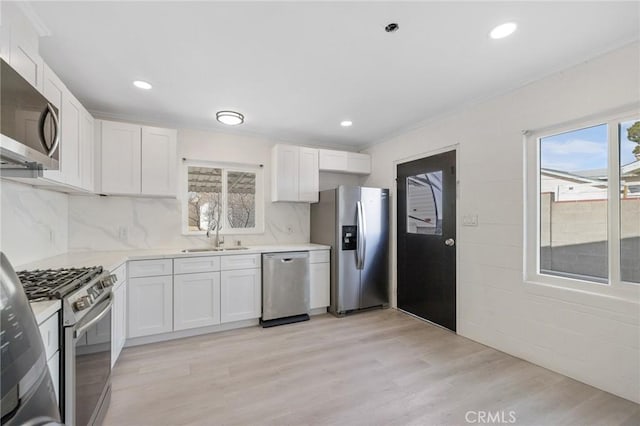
pixel 44 309
pixel 110 260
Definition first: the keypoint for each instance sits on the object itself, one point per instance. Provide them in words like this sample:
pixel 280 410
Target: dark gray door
pixel 375 247
pixel 426 238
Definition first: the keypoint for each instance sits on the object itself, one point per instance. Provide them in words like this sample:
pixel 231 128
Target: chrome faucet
pixel 219 241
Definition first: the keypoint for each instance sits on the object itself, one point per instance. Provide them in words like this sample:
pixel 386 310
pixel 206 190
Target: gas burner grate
pixel 55 283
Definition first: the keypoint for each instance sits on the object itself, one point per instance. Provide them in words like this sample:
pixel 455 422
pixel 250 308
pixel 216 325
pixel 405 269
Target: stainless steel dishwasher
pixel 285 288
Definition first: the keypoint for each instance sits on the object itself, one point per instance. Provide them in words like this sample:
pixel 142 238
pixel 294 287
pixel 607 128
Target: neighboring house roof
pixel 594 176
pixel 570 176
pixel 631 169
pixel 591 173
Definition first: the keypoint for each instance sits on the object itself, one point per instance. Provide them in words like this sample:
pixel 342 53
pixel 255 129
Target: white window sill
pixel 579 291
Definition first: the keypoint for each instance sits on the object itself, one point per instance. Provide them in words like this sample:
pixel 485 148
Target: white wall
pixel 33 222
pixel 333 180
pixel 95 222
pixel 591 338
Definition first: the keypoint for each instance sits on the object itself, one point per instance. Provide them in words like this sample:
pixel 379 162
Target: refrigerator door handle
pixel 362 242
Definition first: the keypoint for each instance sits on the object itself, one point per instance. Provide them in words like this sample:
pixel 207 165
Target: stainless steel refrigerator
pixel 354 221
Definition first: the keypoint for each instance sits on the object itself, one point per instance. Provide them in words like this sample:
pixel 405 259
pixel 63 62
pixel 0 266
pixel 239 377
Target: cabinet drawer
pixel 190 265
pixel 150 268
pixel 319 256
pixel 49 333
pixel 247 261
pixel 121 274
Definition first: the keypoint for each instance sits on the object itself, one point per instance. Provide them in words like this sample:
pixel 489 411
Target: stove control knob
pixel 108 281
pixel 82 303
pixel 93 292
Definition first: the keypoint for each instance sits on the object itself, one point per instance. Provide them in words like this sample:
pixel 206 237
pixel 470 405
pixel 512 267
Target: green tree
pixel 633 134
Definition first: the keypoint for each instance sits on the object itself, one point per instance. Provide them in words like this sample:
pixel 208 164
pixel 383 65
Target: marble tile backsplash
pixel 121 223
pixel 33 222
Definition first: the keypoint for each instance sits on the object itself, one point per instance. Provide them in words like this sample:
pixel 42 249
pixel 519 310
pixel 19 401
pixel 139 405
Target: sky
pixel 583 149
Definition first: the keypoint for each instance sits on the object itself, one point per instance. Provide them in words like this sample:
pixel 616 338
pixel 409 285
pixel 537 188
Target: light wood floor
pixel 375 368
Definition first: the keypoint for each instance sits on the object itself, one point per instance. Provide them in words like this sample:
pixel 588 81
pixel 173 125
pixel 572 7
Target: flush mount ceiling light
pixel 346 123
pixel 230 118
pixel 392 27
pixel 140 84
pixel 503 30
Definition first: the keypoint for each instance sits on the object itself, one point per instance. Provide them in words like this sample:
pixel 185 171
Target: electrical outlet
pixel 123 233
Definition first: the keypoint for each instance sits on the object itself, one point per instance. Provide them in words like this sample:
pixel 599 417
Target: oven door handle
pixel 78 332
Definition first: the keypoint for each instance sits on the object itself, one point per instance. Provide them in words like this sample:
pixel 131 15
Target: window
pixel 579 227
pixel 228 198
pixel 573 204
pixel 629 140
pixel 424 203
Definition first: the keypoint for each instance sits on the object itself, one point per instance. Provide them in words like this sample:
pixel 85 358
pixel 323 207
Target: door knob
pixel 450 242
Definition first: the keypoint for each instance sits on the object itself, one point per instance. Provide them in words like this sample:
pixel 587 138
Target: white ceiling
pixel 296 69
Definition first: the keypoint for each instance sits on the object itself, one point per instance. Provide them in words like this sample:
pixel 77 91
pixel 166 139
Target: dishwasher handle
pixel 286 260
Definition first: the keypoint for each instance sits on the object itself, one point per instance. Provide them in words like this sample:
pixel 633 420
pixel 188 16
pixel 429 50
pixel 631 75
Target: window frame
pixel 613 286
pixel 225 167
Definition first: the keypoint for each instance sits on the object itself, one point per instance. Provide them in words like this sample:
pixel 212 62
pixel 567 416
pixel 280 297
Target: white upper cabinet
pixel 308 175
pixel 70 116
pixel 76 136
pixel 344 162
pixel 87 151
pixel 19 47
pixel 285 162
pixel 159 161
pixel 137 160
pixel 294 173
pixel 20 44
pixel 358 163
pixel 28 64
pixel 120 149
pixel 70 112
pixel 332 161
pixel 53 87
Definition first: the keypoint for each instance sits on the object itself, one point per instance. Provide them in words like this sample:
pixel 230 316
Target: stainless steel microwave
pixel 29 126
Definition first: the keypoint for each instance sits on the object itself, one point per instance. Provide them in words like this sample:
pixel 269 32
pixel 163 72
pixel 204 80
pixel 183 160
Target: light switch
pixel 470 220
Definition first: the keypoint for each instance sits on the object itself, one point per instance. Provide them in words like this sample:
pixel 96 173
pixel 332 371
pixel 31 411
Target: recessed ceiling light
pixel 230 118
pixel 142 84
pixel 346 123
pixel 503 30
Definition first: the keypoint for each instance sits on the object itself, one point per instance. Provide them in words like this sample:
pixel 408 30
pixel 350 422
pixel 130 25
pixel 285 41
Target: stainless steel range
pixel 85 325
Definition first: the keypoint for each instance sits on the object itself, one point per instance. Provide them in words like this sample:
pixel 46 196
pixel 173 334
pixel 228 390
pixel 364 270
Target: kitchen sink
pixel 214 249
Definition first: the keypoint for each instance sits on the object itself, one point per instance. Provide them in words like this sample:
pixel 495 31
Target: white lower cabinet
pixel 240 294
pixel 54 369
pixel 319 278
pixel 150 307
pixel 165 296
pixel 49 335
pixel 319 285
pixel 118 321
pixel 196 300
